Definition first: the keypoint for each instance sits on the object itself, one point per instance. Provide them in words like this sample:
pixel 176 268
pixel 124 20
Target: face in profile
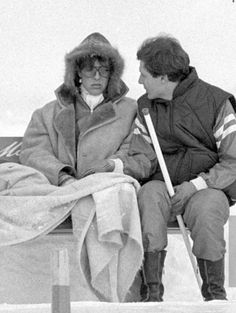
pixel 94 76
pixel 154 86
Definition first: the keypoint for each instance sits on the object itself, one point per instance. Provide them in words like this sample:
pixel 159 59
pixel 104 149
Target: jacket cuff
pixel 199 183
pixel 119 166
pixel 64 175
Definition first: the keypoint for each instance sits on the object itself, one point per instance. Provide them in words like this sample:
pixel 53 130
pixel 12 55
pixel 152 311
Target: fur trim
pixel 99 45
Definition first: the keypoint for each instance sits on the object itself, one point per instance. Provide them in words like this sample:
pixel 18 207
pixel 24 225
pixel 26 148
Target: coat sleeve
pixel 223 174
pixel 124 147
pixel 37 150
pixel 140 160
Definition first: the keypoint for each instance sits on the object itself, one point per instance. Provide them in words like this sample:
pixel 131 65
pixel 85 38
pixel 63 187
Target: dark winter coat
pixel 184 127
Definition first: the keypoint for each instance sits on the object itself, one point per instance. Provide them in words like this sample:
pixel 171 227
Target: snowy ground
pixel 98 307
pixel 25 285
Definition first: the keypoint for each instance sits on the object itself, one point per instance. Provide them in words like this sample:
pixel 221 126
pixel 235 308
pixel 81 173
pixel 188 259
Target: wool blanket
pixel 105 219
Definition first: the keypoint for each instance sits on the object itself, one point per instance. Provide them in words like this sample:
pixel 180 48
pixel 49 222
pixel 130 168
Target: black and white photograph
pixel 118 156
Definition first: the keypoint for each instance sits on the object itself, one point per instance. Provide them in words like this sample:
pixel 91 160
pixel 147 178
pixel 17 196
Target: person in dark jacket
pixel 196 126
pixel 89 124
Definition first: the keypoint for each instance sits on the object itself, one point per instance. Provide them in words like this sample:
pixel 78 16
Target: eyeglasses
pixel 91 72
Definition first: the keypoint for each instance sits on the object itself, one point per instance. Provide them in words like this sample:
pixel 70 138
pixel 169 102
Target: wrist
pixel 66 179
pixel 199 183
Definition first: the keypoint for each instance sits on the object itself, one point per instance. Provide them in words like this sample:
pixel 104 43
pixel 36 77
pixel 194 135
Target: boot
pixel 152 289
pixel 212 274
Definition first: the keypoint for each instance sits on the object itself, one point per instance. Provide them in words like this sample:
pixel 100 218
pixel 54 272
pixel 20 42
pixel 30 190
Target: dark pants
pixel 205 215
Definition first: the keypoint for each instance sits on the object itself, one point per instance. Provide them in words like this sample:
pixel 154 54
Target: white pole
pixel 170 189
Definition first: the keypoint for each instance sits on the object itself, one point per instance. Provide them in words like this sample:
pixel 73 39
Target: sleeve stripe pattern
pixel 140 125
pixel 141 130
pixel 228 127
pixel 227 119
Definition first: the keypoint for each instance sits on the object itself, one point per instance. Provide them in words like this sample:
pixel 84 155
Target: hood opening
pixel 94 45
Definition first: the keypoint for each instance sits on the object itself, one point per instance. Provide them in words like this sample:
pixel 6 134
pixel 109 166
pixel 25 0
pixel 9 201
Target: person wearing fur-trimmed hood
pixel 75 141
pixel 88 127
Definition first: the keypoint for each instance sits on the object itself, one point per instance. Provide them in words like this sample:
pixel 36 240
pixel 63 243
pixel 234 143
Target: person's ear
pixel 164 79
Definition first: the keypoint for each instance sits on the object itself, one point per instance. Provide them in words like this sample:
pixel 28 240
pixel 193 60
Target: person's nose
pixel 97 75
pixel 140 81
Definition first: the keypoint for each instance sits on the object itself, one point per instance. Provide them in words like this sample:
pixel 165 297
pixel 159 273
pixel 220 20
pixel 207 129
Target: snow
pixel 97 307
pixel 25 284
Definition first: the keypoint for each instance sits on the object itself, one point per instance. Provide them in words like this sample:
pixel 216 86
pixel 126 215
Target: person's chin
pixel 149 96
pixel 96 90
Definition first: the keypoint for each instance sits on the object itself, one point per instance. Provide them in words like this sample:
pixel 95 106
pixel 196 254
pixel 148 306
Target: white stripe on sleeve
pixel 227 119
pixel 146 137
pixel 140 125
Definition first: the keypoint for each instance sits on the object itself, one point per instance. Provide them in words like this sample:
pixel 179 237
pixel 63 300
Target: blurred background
pixel 35 35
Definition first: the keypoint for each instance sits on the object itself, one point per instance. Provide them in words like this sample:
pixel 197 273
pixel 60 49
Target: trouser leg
pixel 154 205
pixel 205 215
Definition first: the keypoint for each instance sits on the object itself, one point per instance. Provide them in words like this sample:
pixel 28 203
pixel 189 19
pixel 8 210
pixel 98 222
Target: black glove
pixel 99 166
pixel 183 193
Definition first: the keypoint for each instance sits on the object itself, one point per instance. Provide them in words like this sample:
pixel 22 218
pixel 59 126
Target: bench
pixel 9 152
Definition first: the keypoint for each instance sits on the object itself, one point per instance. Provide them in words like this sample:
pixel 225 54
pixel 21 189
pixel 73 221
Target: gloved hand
pixel 183 193
pixel 99 166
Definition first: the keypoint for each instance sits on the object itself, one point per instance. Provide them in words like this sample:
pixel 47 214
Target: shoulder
pixel 47 109
pixel 130 101
pixel 144 102
pixel 226 114
pixel 127 104
pixel 216 92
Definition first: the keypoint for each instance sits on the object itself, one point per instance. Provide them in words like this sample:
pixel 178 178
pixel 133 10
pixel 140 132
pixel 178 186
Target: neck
pixel 92 101
pixel 170 90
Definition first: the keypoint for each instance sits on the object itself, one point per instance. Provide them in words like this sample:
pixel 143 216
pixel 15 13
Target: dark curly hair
pixel 163 55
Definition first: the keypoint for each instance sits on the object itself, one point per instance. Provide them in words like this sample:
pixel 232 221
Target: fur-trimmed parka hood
pixel 94 44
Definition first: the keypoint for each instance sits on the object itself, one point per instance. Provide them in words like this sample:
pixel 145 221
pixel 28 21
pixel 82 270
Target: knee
pixel 152 189
pixel 153 200
pixel 208 204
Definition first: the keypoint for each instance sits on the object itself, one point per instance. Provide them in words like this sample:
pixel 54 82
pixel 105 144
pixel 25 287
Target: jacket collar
pixel 67 114
pixel 181 88
pixel 186 83
pixel 64 118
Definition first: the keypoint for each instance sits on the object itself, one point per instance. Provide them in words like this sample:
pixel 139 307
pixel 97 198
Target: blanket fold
pixel 105 219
